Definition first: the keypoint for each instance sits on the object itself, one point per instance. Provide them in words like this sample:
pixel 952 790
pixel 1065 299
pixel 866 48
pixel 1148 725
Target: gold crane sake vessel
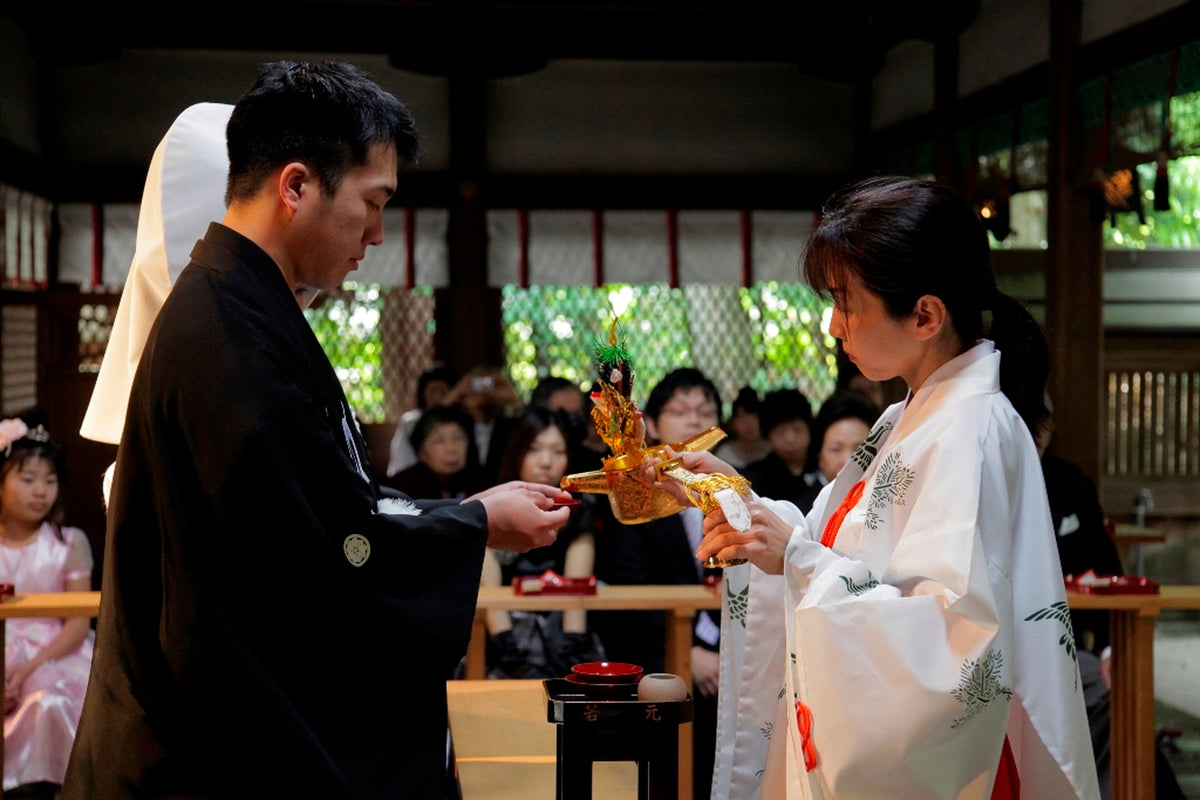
pixel 632 499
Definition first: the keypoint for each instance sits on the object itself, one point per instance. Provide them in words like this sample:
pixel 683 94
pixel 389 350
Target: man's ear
pixel 930 316
pixel 292 184
pixel 651 428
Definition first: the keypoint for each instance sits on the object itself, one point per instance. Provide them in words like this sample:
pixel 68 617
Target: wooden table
pixel 1132 722
pixel 50 604
pixel 505 749
pixel 681 602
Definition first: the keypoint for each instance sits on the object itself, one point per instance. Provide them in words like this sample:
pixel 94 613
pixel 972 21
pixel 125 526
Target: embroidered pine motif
pixel 865 453
pixel 1061 613
pixel 738 602
pixel 859 588
pixel 979 685
pixel 891 483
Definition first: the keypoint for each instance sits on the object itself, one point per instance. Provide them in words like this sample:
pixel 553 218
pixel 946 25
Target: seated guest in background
pixel 1083 540
pixel 46 659
pixel 786 420
pixel 881 393
pixel 542 644
pixel 593 449
pixel 432 385
pixel 840 427
pixel 662 551
pixel 560 394
pixel 745 444
pixel 446 468
pixel 488 396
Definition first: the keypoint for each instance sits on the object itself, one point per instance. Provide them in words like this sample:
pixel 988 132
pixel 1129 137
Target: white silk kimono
pixel 935 627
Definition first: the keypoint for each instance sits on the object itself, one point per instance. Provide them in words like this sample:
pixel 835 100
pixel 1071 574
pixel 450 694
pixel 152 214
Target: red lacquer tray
pixel 550 582
pixel 1091 583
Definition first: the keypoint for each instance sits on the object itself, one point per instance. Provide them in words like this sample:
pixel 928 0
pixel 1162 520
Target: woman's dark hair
pixel 843 405
pixel 540 396
pixel 36 444
pixel 438 415
pixel 326 115
pixel 904 238
pixel 527 428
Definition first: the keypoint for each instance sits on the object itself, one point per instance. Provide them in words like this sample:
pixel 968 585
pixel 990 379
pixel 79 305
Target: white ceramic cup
pixel 662 687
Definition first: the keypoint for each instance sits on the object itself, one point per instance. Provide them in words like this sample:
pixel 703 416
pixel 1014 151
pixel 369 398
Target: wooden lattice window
pixel 1151 423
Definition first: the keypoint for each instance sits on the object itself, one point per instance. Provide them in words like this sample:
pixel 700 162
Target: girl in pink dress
pixel 47 660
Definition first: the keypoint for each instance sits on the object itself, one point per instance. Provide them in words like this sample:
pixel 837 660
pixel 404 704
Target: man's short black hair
pixel 326 115
pixel 783 405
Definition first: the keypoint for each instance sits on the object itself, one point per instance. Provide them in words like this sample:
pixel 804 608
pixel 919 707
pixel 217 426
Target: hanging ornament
pixel 1115 190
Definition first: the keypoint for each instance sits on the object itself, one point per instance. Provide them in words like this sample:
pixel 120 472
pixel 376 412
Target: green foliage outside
pixel 1178 228
pixel 347 326
pixel 767 336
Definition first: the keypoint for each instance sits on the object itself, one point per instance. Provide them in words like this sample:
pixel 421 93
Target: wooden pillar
pixel 1075 277
pixel 469 327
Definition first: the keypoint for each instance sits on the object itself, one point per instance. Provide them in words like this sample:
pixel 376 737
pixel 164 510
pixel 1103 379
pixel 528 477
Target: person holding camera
pixel 488 395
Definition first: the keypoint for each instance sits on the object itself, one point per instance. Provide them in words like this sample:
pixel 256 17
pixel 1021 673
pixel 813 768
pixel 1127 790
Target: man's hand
pixel 521 514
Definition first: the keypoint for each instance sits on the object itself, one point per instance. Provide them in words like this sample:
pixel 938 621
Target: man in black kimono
pixel 269 626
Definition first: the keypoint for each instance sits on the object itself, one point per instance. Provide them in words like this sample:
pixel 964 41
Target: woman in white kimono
pixel 909 638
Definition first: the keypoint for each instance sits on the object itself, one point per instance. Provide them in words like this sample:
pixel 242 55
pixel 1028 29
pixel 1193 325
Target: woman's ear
pixel 930 316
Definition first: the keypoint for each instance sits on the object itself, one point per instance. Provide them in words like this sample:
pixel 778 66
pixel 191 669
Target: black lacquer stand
pixel 614 726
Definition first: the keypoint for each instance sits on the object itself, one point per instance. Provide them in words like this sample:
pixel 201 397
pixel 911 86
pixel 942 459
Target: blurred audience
pixel 841 425
pixel 1080 532
pixel 559 394
pixel 446 466
pixel 488 396
pixel 785 419
pixel 542 644
pixel 745 444
pixel 433 384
